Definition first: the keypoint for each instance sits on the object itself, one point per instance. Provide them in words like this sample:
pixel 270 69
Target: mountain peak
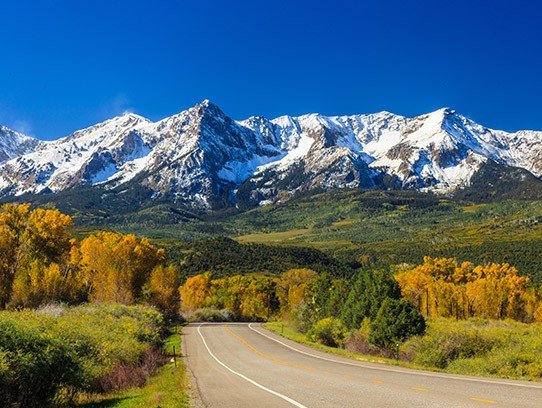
pixel 201 154
pixel 13 144
pixel 442 113
pixel 127 117
pixel 208 107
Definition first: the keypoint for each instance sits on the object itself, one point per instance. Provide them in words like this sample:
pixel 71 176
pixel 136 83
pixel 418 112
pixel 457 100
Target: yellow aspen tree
pixel 13 222
pixel 118 266
pixel 195 291
pixel 292 288
pixel 163 289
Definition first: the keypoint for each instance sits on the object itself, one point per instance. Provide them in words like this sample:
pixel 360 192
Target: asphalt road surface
pixel 245 365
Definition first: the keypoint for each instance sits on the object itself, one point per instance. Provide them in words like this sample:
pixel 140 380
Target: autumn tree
pixel 40 284
pixel 47 234
pixel 195 291
pixel 443 287
pixel 497 292
pixel 29 236
pixel 293 287
pixel 118 266
pixel 259 300
pixel 163 290
pixel 13 223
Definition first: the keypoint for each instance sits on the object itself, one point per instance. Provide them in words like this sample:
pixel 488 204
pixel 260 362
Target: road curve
pixel 241 365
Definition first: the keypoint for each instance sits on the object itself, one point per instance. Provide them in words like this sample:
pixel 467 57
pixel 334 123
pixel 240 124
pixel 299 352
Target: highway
pixel 245 365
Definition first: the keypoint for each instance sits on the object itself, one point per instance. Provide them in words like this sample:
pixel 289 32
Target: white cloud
pixel 119 105
pixel 22 126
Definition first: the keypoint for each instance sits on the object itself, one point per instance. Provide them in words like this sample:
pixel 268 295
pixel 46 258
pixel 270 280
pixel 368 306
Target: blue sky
pixel 67 64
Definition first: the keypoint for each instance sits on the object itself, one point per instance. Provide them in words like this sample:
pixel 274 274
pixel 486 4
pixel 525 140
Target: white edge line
pixel 420 373
pixel 284 397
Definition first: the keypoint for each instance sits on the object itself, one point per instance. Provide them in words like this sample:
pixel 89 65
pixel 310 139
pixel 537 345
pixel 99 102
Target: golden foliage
pixel 31 244
pixel 442 287
pixel 162 289
pixel 40 262
pixel 118 266
pixel 292 288
pixel 195 291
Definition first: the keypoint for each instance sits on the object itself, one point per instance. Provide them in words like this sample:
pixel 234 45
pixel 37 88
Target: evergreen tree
pixel 368 292
pixel 396 321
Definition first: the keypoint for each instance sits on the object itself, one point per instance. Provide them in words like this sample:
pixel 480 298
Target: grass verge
pixel 166 389
pixel 286 330
pixel 476 347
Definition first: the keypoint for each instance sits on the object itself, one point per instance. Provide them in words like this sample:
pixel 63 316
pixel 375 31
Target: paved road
pixel 242 365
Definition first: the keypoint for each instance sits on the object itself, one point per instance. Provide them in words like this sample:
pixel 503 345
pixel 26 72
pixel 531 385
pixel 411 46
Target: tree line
pixel 42 262
pixel 442 287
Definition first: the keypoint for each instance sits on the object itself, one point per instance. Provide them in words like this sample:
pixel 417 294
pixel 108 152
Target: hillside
pixel 356 227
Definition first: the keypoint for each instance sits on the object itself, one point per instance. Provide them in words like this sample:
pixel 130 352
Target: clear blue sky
pixel 67 64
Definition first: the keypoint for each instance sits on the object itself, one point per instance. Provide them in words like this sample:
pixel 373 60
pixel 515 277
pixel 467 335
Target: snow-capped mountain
pixel 203 158
pixel 439 152
pixel 88 156
pixel 14 144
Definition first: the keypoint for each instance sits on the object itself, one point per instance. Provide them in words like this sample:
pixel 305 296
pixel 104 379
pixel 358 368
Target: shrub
pixel 447 342
pixel 46 357
pixel 441 350
pixel 329 332
pixel 358 341
pixel 208 314
pixel 396 321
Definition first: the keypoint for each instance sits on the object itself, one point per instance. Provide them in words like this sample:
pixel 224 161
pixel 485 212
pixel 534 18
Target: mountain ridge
pixel 203 158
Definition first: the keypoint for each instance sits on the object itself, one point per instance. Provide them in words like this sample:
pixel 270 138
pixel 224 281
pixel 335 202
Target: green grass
pixel 166 389
pixel 489 348
pixel 505 349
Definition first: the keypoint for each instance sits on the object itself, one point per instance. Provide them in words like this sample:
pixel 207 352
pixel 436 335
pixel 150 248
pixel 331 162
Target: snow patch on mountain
pixel 201 156
pixel 14 144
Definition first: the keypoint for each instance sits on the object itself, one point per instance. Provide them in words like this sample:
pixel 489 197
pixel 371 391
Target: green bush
pixel 46 358
pixel 479 346
pixel 442 349
pixel 395 322
pixel 329 332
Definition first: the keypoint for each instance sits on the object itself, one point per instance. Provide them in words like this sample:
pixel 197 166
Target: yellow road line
pixel 377 381
pixel 265 355
pixel 485 401
pixel 419 389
